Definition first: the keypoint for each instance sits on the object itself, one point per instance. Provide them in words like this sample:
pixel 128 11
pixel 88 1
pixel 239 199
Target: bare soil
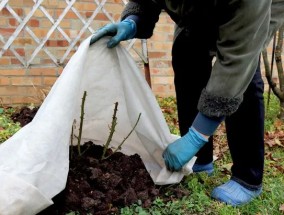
pixel 96 186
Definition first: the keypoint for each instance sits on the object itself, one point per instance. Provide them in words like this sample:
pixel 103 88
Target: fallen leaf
pixel 279 168
pixel 278 142
pixel 278 123
pixel 281 208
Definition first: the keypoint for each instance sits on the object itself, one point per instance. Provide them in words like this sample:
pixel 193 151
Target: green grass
pixel 7 126
pixel 200 185
pixel 199 201
pixel 272 111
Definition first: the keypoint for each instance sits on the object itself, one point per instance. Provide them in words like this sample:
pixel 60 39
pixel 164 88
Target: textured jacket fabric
pixel 243 28
pixel 276 20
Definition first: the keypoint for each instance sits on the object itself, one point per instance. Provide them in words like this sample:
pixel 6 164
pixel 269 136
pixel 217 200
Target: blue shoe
pixel 208 168
pixel 232 193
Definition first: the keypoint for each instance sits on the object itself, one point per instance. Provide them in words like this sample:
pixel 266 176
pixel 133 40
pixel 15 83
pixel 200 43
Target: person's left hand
pixel 123 30
pixel 178 153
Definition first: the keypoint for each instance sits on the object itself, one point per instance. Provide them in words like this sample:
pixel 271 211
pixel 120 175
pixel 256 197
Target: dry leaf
pixel 281 208
pixel 278 123
pixel 278 142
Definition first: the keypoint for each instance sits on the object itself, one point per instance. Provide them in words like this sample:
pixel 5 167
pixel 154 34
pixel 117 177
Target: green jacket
pixel 245 28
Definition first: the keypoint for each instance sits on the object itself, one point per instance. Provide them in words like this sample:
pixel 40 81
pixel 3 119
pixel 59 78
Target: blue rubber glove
pixel 178 153
pixel 121 31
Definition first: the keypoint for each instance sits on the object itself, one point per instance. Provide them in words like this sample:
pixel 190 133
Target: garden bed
pixel 103 186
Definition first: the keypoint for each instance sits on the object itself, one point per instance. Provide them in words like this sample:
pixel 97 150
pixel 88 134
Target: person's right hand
pixel 178 153
pixel 121 31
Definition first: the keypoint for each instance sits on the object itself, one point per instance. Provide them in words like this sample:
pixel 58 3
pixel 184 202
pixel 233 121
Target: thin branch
pixel 112 129
pixel 71 141
pixel 119 146
pixel 278 59
pixel 81 122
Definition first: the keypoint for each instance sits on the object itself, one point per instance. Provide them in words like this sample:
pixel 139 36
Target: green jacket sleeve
pixel 241 35
pixel 147 11
pixel 277 19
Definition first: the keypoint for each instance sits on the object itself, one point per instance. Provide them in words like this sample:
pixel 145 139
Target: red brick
pixel 154 71
pixel 52 43
pixel 28 3
pixel 5 61
pixel 60 71
pixel 24 100
pixel 161 64
pixel 15 61
pixel 62 43
pixel 162 80
pixel 5 100
pixel 19 11
pixel 42 71
pixel 9 90
pixel 33 23
pixel 46 61
pixel 40 32
pixel 26 81
pixel 4 81
pixel 8 53
pixel 7 31
pixel 12 72
pixel 156 54
pixel 5 12
pixel 49 80
pixel 99 16
pixel 23 41
pixel 20 51
pixel 69 15
pixel 65 24
pixel 13 22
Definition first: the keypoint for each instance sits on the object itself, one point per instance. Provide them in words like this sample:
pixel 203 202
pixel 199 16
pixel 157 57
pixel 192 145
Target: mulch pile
pixel 103 186
pixel 24 115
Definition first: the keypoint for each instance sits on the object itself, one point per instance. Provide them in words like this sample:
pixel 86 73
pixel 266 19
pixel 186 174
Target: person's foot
pixel 232 193
pixel 208 168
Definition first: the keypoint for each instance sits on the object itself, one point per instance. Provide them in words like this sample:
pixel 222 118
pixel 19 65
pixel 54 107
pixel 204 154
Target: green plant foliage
pixel 73 213
pixel 7 127
pixel 169 109
pixel 272 110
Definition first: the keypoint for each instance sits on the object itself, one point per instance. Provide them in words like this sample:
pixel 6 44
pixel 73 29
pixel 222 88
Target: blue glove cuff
pixel 206 125
pixel 135 18
pixel 133 27
pixel 197 135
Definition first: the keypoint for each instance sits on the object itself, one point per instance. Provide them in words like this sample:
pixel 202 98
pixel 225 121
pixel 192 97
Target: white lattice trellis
pixel 27 61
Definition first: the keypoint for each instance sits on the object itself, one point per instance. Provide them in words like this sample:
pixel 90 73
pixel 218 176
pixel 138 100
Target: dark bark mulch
pixel 24 115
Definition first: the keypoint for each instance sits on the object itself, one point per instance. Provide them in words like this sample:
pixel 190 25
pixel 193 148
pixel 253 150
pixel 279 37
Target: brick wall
pixel 28 81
